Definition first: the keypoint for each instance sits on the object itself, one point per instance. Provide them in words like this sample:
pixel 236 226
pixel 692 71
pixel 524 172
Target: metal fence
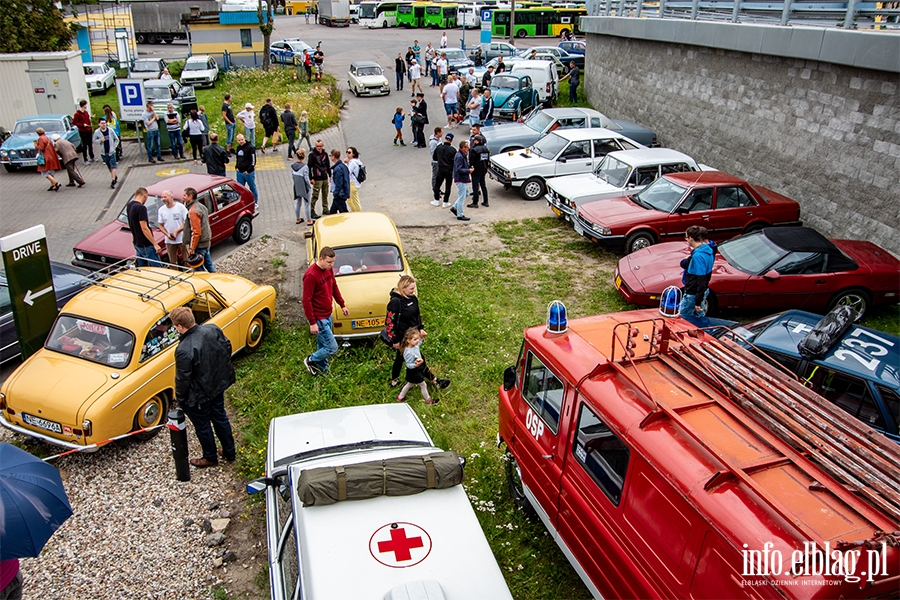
pixel 824 13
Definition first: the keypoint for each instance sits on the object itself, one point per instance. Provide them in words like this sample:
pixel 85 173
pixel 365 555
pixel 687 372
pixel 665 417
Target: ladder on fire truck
pixel 809 431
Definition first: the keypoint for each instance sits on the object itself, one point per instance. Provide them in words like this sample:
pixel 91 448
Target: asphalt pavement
pixel 399 178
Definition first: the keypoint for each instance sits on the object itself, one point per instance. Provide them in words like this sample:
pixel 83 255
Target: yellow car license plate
pixel 618 281
pixel 366 323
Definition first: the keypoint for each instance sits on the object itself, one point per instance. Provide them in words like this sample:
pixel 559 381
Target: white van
pixel 469 15
pixel 543 76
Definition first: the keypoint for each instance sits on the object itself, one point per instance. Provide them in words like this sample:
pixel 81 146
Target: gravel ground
pixel 136 531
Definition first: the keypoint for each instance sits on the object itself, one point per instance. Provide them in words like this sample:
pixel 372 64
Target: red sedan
pixel 726 205
pixel 231 213
pixel 774 269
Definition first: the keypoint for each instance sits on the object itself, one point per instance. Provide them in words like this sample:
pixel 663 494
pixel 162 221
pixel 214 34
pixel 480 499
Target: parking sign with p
pixel 131 99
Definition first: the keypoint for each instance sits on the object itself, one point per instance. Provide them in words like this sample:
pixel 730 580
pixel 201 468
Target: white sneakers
pixel 435 202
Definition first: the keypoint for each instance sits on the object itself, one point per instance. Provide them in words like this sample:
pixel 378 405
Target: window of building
pixel 601 453
pixel 543 391
pixel 246 38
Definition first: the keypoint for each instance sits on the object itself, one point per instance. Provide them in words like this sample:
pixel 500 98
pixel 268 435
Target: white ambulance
pixel 412 532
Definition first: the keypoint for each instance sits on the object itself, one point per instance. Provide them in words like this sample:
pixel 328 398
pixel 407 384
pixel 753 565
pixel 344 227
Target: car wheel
pixel 140 38
pixel 857 299
pixel 152 39
pixel 533 188
pixel 272 59
pixel 243 230
pixel 516 487
pixel 11 168
pixel 151 414
pixel 356 92
pixel 521 33
pixel 753 227
pixel 256 331
pixel 638 241
pixel 384 24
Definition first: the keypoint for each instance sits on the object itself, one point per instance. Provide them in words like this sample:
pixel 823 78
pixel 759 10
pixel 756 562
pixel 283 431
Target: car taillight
pixel 88 427
pixel 548 87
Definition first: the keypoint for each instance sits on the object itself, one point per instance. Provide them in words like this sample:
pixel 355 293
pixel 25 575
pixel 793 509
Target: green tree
pixel 34 26
pixel 266 27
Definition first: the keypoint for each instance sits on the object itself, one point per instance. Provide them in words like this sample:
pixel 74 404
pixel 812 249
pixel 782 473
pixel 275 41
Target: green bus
pixel 542 21
pixel 441 16
pixel 412 14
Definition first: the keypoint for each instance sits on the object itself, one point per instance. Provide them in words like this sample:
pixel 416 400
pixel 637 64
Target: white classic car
pixel 361 504
pixel 562 152
pixel 618 172
pixel 200 69
pixel 367 77
pixel 99 77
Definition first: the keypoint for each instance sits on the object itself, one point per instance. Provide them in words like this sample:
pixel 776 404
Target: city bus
pixel 378 14
pixel 538 21
pixel 412 14
pixel 441 16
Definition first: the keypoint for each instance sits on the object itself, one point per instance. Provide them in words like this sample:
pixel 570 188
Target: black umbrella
pixel 33 503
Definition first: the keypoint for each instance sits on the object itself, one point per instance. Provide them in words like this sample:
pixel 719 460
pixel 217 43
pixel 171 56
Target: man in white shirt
pixel 471 77
pixel 450 95
pixel 443 68
pixel 415 74
pixel 444 40
pixel 170 220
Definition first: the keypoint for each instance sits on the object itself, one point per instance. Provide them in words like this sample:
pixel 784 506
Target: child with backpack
pixel 417 372
pixel 397 120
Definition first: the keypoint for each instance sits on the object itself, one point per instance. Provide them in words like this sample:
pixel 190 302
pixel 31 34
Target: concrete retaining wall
pixel 823 134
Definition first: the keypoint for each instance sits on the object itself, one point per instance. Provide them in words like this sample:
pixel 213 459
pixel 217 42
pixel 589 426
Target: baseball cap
pixel 449 136
pixel 248 105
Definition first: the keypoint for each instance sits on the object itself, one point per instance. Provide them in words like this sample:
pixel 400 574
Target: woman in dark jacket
pixel 402 313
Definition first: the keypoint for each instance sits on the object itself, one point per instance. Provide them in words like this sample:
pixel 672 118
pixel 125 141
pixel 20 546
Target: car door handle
pixel 704 216
pixel 749 212
pixel 820 282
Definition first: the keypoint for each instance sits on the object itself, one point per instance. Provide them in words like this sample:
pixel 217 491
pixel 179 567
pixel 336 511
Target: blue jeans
pixel 250 134
pixel 209 416
pixel 207 260
pixel 249 180
pixel 399 80
pixel 688 310
pixel 462 192
pixel 326 345
pixel 229 134
pixel 142 252
pixel 573 92
pixel 153 143
pixel 488 122
pixel 177 143
pixel 434 76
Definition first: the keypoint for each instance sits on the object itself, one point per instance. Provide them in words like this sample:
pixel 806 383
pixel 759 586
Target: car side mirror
pixel 682 210
pixel 509 378
pixel 772 275
pixel 562 159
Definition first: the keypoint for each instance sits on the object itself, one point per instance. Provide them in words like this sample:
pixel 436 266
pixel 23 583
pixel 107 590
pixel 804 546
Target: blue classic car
pixel 514 136
pixel 18 149
pixel 513 95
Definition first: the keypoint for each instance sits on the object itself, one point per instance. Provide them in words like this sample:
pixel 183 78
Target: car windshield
pixel 350 260
pixel 94 69
pixel 195 65
pixel 145 66
pixel 369 71
pixel 662 195
pixel 613 171
pixel 153 203
pixel 299 47
pixel 549 146
pixel 31 126
pixel 538 121
pixel 90 340
pixel 158 93
pixel 433 10
pixel 752 254
pixel 505 82
pixel 455 54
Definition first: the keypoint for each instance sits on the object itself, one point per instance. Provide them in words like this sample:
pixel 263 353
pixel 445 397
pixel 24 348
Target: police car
pixel 361 504
pixel 859 373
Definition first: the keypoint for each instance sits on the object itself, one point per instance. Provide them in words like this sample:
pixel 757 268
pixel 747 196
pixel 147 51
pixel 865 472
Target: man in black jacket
pixel 203 371
pixel 400 68
pixel 479 159
pixel 245 165
pixel 268 116
pixel 215 156
pixel 320 173
pixel 444 155
pixel 419 123
pixel 487 109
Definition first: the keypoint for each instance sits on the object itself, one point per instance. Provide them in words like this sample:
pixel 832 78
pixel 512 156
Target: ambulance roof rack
pixel 807 428
pixel 147 285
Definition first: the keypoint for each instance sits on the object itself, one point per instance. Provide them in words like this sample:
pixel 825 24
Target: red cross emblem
pixel 400 545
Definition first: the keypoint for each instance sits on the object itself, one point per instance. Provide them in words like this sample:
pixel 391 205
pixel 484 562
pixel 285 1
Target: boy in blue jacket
pixel 697 273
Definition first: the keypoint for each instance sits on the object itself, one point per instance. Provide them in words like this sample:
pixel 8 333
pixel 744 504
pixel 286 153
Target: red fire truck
pixel 668 464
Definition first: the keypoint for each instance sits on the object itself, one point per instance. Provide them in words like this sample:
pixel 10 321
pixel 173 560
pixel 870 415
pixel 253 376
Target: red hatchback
pixel 726 205
pixel 231 213
pixel 775 269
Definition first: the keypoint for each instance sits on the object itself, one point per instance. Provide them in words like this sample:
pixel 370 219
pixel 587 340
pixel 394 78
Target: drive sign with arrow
pixel 27 264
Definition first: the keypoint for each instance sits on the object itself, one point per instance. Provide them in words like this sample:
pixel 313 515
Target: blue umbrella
pixel 33 503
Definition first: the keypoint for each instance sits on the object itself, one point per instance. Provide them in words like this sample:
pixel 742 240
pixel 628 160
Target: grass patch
pixel 322 100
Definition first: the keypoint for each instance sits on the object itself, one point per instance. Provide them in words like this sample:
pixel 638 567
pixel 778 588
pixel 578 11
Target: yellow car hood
pixel 54 386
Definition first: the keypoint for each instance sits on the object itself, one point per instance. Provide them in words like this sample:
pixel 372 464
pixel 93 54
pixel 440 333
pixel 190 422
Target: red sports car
pixel 774 269
pixel 231 213
pixel 726 205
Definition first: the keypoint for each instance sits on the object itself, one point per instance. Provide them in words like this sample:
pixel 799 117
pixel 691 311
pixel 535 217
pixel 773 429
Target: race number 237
pixel 534 424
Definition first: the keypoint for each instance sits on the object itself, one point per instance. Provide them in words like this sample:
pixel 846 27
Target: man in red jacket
pixel 82 120
pixel 320 291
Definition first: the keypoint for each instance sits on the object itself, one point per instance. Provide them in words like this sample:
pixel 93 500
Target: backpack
pixel 361 175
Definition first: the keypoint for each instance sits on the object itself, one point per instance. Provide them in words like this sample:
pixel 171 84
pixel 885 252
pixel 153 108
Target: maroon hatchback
pixel 231 213
pixel 726 205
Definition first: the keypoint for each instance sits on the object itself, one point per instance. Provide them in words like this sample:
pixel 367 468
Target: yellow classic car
pixel 108 365
pixel 368 262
